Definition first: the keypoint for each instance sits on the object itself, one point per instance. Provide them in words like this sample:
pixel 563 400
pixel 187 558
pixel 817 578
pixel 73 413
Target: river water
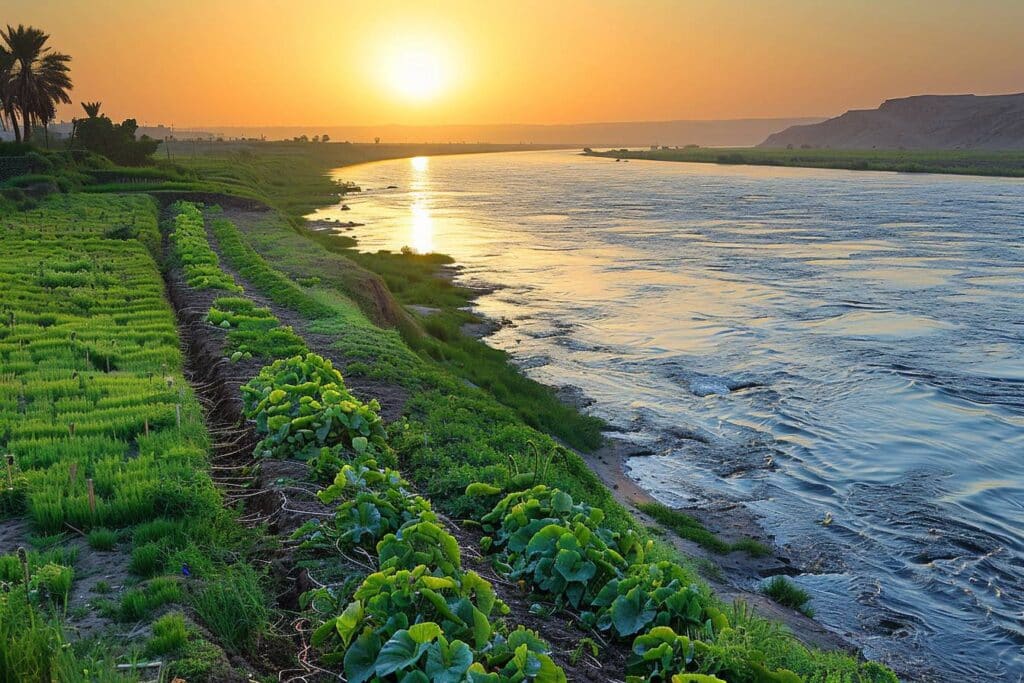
pixel 813 343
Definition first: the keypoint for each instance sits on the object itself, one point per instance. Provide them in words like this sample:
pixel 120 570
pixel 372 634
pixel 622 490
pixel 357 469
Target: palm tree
pixel 92 109
pixel 8 117
pixel 39 77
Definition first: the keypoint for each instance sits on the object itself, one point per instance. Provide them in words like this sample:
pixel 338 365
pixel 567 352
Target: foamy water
pixel 842 343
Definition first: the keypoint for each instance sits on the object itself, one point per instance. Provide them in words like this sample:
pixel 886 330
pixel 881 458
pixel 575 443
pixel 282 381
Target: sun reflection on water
pixel 422 222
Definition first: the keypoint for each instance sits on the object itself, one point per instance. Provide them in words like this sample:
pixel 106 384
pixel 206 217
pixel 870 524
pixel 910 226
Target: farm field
pixel 111 519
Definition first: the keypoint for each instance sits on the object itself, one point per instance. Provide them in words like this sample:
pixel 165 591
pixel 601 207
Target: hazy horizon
pixel 221 64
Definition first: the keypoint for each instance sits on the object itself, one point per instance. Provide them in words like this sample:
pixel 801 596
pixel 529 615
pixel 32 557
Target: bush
pixel 302 405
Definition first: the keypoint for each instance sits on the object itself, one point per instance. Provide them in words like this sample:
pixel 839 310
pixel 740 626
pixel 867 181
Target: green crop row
pixel 421 617
pixel 193 253
pixel 252 331
pixel 100 435
pixel 563 549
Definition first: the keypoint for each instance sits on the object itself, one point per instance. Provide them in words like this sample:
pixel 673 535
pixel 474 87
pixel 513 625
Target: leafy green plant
pixel 421 543
pixel 374 503
pixel 394 599
pixel 558 545
pixel 301 404
pixel 656 594
pixel 522 655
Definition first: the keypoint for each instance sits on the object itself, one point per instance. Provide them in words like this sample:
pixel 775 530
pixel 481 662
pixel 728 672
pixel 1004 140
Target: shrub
pixel 374 503
pixel 656 594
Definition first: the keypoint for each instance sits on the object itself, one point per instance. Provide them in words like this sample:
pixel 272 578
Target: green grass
pixel 169 635
pixel 101 538
pixel 691 529
pixel 234 607
pixel 785 592
pixel 902 161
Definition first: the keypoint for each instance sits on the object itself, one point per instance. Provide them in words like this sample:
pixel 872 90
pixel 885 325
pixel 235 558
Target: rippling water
pixel 805 341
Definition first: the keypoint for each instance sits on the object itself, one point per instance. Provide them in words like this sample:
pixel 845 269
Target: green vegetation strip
pixel 104 437
pixel 251 330
pixel 957 162
pixel 691 529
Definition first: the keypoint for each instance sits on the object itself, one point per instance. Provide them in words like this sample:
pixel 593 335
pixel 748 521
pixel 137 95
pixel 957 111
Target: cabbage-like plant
pixel 301 404
pixel 394 599
pixel 374 503
pixel 656 594
pixel 421 543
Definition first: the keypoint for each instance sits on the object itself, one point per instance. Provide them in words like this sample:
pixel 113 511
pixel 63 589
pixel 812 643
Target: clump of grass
pixel 101 588
pixel 752 547
pixel 138 602
pixel 691 529
pixel 234 607
pixel 102 538
pixel 785 592
pixel 53 580
pixel 169 635
pixel 146 560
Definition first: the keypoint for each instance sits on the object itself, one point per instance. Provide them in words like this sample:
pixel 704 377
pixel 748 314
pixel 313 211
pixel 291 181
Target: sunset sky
pixel 262 62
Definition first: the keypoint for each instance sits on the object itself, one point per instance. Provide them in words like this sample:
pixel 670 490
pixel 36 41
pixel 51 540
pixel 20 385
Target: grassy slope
pixel 904 161
pixel 453 434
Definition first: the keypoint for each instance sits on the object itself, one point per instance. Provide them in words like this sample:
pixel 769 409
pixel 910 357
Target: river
pixel 813 343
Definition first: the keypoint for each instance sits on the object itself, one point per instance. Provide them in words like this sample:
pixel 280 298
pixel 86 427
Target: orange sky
pixel 328 62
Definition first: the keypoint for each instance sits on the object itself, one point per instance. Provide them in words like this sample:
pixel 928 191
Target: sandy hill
pixel 992 122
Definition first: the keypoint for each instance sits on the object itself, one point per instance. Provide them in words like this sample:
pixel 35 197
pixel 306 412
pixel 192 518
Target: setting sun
pixel 416 72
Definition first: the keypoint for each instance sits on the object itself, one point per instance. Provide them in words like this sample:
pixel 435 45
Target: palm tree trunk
pixel 26 120
pixel 12 115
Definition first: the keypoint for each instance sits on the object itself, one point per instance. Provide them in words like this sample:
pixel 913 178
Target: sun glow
pixel 416 72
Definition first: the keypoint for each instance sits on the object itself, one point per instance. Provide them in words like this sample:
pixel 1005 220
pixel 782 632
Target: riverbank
pixel 1008 164
pixel 719 299
pixel 435 298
